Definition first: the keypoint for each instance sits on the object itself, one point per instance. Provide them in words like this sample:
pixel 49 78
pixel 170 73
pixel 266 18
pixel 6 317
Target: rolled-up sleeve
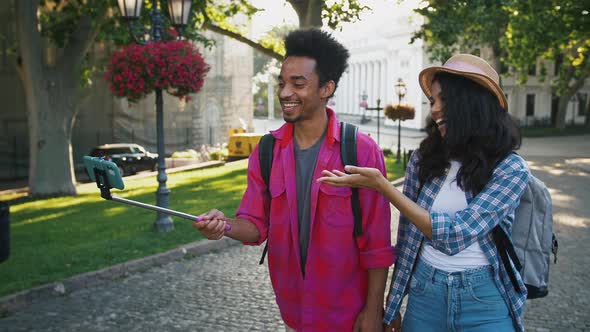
pixel 498 199
pixel 255 202
pixel 375 246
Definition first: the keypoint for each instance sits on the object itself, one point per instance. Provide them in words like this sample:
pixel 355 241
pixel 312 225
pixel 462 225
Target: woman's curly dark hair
pixel 331 57
pixel 479 134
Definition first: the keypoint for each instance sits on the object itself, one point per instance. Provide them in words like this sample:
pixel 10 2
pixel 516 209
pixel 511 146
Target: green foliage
pixel 337 12
pixel 87 72
pixel 220 154
pixel 552 131
pixel 387 152
pixel 273 40
pixel 550 30
pixel 394 170
pixel 518 32
pixel 461 26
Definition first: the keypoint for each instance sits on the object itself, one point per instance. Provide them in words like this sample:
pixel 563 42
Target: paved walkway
pixel 229 291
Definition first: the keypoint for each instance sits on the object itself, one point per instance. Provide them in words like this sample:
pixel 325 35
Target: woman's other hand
pixel 359 177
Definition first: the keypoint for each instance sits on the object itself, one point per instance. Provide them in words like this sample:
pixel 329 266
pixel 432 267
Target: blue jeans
pixel 455 301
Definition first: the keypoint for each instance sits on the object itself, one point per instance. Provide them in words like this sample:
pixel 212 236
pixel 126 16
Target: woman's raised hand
pixel 359 177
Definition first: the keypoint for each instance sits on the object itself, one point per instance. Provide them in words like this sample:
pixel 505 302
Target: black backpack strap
pixel 265 147
pixel 348 156
pixel 265 154
pixel 506 249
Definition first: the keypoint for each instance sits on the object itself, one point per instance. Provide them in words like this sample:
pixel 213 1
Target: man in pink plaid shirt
pixel 324 277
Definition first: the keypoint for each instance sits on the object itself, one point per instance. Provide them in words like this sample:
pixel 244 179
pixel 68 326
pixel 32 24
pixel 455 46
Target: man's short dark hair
pixel 331 57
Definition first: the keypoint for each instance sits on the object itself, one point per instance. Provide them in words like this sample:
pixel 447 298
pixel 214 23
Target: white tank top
pixel 450 200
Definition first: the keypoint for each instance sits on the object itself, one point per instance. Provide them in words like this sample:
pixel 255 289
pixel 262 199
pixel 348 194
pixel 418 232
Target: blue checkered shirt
pixel 494 205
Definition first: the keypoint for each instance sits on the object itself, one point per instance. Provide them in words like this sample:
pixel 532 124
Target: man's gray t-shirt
pixel 305 161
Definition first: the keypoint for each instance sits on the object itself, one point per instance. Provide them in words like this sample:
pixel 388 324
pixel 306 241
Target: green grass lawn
pixel 55 238
pixel 551 131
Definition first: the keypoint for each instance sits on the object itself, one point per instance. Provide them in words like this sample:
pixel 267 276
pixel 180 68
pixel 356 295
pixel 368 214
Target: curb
pixel 12 303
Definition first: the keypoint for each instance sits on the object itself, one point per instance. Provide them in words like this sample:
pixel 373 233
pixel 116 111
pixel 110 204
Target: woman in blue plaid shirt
pixel 460 184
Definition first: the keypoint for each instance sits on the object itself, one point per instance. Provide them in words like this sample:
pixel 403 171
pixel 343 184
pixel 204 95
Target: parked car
pixel 131 158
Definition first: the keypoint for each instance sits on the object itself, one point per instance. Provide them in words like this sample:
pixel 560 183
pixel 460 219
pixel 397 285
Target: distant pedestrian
pixel 462 182
pixel 324 277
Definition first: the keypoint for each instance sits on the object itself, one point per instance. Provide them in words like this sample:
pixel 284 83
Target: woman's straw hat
pixel 468 66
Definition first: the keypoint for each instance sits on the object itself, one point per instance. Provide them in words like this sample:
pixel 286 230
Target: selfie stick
pixel 102 182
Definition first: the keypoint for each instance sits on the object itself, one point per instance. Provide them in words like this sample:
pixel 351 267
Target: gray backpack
pixel 533 240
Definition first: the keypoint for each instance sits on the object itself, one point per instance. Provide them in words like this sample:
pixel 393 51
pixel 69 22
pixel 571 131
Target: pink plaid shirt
pixel 334 289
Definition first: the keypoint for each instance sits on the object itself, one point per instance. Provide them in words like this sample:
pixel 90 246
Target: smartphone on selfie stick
pixel 107 176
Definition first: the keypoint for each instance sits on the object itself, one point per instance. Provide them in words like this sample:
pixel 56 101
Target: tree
pixel 551 30
pixel 52 84
pixel 518 33
pixel 311 13
pixel 462 26
pixel 52 89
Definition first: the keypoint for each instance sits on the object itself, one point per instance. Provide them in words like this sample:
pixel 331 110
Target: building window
pixel 530 104
pixel 405 63
pixel 582 101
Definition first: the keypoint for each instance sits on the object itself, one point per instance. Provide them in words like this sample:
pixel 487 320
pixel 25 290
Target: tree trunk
pixel 587 120
pixel 313 17
pixel 309 12
pixel 52 94
pixel 561 112
pixel 50 119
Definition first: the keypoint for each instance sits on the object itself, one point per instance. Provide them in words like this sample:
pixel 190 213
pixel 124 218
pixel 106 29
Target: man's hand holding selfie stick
pixel 214 225
pixel 107 176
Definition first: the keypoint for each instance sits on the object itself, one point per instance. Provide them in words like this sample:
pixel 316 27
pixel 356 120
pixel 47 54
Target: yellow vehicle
pixel 241 144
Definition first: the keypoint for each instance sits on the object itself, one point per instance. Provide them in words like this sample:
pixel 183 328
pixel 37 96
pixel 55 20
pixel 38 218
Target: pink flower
pixel 175 66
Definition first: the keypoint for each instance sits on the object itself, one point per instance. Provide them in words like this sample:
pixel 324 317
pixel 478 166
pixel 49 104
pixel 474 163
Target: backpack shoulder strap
pixel 505 249
pixel 265 154
pixel 348 156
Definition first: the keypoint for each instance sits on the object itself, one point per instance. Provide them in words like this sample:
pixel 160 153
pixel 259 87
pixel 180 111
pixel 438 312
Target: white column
pixel 370 85
pixel 357 82
pixel 271 98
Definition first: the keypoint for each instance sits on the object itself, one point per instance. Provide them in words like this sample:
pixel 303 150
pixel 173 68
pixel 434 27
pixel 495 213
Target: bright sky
pixel 276 13
pixel 279 12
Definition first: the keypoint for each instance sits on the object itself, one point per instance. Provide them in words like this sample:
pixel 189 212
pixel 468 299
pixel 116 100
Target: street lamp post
pixel 364 104
pixel 400 89
pixel 179 11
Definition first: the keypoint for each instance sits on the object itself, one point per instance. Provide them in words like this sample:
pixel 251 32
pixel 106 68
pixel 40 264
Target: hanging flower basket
pixel 400 112
pixel 173 66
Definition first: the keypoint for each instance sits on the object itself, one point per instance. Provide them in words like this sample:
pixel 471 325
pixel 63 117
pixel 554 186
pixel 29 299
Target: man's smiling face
pixel 299 90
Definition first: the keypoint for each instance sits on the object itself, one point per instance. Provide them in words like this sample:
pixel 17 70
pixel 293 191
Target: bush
pixel 186 154
pixel 387 152
pixel 215 155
